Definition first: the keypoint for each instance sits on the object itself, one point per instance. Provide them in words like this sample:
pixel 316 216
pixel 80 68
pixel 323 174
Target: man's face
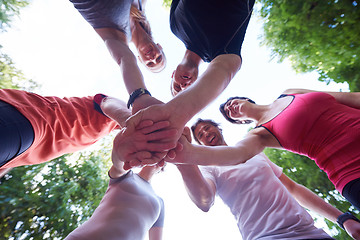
pixel 182 78
pixel 208 134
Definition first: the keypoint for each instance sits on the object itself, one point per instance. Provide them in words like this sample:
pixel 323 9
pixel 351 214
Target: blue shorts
pixel 16 133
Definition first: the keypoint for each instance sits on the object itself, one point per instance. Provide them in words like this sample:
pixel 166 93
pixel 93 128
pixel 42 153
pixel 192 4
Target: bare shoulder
pixel 264 137
pixel 297 91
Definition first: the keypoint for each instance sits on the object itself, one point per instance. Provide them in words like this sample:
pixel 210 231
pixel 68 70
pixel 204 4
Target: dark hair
pixel 193 127
pixel 222 110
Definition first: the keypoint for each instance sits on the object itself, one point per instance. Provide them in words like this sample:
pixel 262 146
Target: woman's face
pixel 152 56
pixel 235 108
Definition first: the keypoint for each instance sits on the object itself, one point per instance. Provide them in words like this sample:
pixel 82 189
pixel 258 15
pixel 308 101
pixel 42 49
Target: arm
pixel 201 191
pixel 186 104
pixel 207 87
pixel 311 201
pixel 351 99
pixel 155 233
pixel 117 45
pixel 250 146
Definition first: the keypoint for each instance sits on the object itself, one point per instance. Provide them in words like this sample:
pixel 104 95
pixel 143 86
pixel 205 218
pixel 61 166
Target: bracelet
pixel 344 217
pixel 135 94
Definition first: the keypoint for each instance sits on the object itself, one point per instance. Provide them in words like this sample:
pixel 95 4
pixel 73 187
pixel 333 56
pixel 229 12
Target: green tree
pixel 167 3
pixel 304 171
pixel 48 201
pixel 315 35
pixel 11 77
pixel 9 9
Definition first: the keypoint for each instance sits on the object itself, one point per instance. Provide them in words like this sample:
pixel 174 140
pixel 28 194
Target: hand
pixel 131 139
pixel 353 229
pixel 160 112
pixel 137 147
pixel 144 101
pixel 183 150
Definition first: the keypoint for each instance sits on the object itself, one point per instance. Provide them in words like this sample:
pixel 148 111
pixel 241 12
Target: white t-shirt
pixel 261 204
pixel 127 211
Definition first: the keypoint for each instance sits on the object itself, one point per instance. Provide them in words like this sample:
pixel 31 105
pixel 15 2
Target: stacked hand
pixel 149 136
pixel 161 139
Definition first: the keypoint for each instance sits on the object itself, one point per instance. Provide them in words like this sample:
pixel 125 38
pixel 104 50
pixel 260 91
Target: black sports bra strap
pixel 140 6
pixel 283 95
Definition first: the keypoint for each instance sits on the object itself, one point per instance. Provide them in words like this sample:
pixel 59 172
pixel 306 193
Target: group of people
pixel 323 126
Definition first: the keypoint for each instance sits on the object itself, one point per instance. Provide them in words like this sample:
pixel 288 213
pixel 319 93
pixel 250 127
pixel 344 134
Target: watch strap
pixel 135 94
pixel 344 217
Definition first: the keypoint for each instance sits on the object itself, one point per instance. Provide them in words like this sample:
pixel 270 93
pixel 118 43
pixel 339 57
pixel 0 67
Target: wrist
pixel 344 217
pixel 137 94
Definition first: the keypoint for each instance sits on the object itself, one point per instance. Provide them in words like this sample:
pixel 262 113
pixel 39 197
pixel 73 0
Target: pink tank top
pixel 316 125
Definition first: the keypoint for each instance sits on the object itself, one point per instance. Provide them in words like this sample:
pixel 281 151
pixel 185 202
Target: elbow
pixel 206 203
pixel 205 207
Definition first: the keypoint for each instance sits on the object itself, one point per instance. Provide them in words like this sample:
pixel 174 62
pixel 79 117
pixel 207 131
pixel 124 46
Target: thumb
pixel 187 134
pixel 115 109
pixel 133 121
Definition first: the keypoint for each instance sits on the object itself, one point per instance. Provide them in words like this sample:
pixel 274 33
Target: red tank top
pixel 316 125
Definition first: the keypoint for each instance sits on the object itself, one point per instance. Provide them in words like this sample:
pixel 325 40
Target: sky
pixel 53 45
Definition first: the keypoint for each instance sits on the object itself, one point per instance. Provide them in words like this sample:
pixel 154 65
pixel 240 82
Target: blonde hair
pixel 139 16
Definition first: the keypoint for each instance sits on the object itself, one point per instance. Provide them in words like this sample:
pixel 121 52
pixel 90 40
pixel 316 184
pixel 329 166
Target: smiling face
pixel 182 78
pixel 208 134
pixel 235 110
pixel 152 56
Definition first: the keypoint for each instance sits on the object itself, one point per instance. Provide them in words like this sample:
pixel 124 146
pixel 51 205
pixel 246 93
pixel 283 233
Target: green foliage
pixel 11 77
pixel 304 171
pixel 49 200
pixel 315 35
pixel 9 9
pixel 167 3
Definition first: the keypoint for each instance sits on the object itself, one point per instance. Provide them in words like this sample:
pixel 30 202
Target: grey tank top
pixel 107 13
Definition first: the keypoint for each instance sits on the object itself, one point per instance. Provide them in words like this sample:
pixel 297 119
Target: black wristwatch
pixel 344 217
pixel 135 94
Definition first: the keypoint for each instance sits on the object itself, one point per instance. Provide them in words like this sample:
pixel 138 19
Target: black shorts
pixel 16 133
pixel 351 192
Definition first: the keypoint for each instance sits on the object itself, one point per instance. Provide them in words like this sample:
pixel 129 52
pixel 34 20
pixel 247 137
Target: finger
pixel 187 133
pixel 135 119
pixel 135 163
pixel 140 156
pixel 179 146
pixel 159 155
pixel 150 161
pixel 144 124
pixel 171 154
pixel 155 127
pixel 163 135
pixel 127 166
pixel 159 146
pixel 161 163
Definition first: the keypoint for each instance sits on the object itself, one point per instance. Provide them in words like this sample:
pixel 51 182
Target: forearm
pixel 207 87
pixel 221 155
pixel 126 60
pixel 313 202
pixel 199 190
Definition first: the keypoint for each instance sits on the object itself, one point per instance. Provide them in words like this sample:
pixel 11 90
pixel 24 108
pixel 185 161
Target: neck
pixel 192 59
pixel 139 36
pixel 257 113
